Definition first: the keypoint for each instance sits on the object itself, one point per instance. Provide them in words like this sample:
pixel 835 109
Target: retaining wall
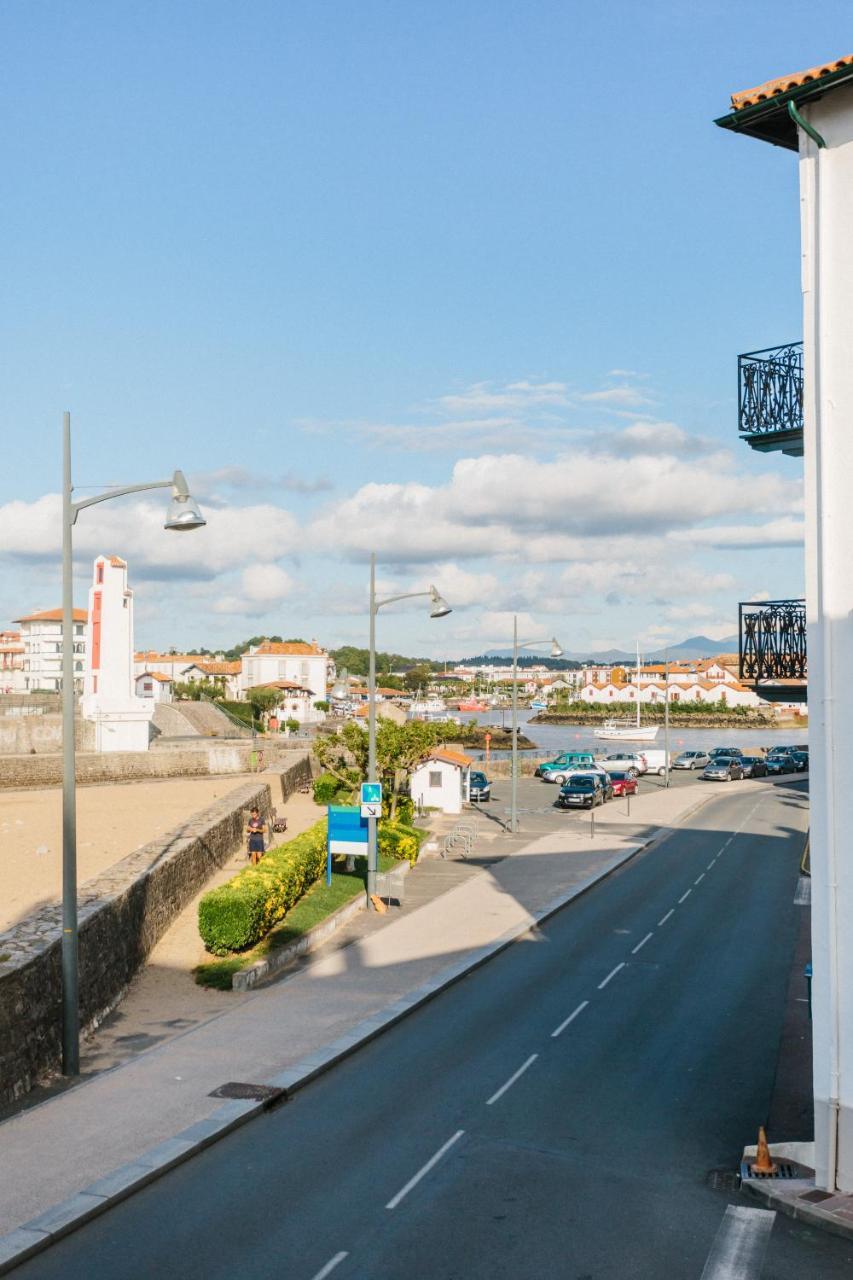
pixel 23 734
pixel 204 759
pixel 122 914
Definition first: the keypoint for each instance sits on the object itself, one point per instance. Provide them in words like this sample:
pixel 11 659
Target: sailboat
pixel 626 729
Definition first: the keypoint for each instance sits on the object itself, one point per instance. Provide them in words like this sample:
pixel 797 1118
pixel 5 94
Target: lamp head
pixel 556 651
pixel 439 608
pixel 184 512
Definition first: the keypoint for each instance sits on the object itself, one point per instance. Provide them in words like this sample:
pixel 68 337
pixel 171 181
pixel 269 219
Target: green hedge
pixel 238 914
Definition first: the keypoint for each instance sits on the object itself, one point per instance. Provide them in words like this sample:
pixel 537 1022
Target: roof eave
pixel 768 121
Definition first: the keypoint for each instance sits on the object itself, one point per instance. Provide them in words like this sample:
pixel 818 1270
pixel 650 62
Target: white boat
pixel 628 730
pixel 625 729
pixel 538 705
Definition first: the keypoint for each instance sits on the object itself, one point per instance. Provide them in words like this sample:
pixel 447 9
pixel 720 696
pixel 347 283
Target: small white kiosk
pixel 442 780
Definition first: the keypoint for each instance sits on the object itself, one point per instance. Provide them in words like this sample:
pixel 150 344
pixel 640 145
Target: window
pixel 435 777
pixel 147 686
pixel 100 574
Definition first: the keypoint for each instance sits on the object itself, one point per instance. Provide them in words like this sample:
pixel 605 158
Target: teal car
pixel 551 770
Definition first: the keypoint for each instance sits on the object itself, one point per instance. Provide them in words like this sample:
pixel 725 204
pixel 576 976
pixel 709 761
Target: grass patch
pixel 316 905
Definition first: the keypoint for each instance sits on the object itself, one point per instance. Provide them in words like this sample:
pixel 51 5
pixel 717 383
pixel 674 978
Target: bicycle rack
pixel 460 838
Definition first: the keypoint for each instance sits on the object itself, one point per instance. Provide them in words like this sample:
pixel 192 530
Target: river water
pixel 550 739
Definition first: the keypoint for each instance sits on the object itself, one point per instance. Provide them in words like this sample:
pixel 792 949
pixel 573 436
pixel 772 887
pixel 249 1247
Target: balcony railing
pixel 770 398
pixel 772 644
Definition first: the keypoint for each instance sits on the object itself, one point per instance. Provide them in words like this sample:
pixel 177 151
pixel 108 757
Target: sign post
pixel 347 833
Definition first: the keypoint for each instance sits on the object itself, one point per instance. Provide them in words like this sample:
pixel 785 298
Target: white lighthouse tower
pixel 121 719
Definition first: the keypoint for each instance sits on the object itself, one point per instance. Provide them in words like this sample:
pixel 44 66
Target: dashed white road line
pixel 570 1018
pixel 422 1172
pixel 699 879
pixel 634 950
pixel 330 1266
pixel 511 1081
pixel 611 974
pixel 684 896
pixel 664 919
pixel 740 1244
pixel 710 864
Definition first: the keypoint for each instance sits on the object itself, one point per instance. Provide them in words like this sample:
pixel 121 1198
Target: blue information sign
pixel 347 833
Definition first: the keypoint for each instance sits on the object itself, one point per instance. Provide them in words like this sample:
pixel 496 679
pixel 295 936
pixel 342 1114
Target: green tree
pixel 417 677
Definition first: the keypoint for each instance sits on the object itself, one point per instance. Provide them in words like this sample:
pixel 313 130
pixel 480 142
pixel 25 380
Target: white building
pixel 306 665
pixel 41 636
pixel 174 665
pixel 811 113
pixel 11 662
pixel 154 685
pixel 225 675
pixel 109 698
pixel 442 780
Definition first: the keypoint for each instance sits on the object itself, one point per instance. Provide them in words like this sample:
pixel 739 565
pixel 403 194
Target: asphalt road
pixel 561 1112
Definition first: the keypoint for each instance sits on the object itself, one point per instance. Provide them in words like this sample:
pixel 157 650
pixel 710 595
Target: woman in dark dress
pixel 255 830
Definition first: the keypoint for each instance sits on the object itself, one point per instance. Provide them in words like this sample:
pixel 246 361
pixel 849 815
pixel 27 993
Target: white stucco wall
pixel 449 795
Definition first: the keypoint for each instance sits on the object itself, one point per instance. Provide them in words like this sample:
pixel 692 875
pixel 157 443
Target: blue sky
pixel 464 283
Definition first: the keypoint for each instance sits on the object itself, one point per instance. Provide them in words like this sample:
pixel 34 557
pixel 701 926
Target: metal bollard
pixel 592 822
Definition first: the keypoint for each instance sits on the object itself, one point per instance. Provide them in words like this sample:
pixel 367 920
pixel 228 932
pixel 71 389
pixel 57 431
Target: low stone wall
pixel 201 760
pixel 122 914
pixel 25 734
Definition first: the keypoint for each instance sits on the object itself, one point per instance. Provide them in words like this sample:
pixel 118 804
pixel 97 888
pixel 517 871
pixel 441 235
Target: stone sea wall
pixel 122 914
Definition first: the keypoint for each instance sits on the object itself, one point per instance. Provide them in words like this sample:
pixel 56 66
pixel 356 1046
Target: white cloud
pixel 784 532
pixel 518 397
pixel 623 397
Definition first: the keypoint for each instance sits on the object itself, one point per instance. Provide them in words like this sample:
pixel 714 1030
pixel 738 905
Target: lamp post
pixel 556 652
pixel 666 717
pixel 183 514
pixel 440 609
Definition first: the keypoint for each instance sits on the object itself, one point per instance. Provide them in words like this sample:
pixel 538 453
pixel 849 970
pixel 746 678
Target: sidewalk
pixel 69 1157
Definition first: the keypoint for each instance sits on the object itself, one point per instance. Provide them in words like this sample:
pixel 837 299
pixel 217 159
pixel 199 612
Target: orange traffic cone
pixel 762 1165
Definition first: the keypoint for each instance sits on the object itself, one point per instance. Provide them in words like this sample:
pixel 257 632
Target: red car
pixel 624 784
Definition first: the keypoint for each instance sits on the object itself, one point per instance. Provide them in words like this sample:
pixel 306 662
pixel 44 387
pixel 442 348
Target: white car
pixel 562 775
pixel 655 762
pixel 633 762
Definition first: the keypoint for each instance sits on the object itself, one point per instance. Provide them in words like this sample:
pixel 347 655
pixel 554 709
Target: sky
pixel 463 284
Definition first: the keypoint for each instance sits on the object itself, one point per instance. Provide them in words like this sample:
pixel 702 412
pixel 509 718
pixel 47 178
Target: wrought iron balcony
pixel 770 398
pixel 772 648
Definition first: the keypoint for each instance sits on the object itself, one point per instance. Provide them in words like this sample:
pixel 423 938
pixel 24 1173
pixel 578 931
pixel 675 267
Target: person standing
pixel 255 832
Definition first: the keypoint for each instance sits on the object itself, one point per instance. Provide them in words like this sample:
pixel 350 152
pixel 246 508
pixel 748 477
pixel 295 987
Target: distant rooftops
pixel 53 615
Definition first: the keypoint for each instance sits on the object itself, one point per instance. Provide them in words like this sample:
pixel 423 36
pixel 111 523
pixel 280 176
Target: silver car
pixel 691 760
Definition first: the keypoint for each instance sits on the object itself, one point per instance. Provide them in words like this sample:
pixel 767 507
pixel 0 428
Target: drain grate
pixel 724 1179
pixel 783 1170
pixel 249 1092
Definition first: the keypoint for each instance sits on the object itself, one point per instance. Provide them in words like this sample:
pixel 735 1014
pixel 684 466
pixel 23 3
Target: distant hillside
pixel 696 647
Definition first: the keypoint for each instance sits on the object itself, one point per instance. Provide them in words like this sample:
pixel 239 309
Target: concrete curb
pixel 803 1212
pixel 39 1233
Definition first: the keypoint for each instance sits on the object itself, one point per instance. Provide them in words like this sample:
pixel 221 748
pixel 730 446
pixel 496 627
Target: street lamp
pixel 556 652
pixel 439 608
pixel 183 514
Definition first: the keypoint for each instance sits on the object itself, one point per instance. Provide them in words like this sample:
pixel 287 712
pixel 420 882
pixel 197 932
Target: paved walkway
pixel 283 1033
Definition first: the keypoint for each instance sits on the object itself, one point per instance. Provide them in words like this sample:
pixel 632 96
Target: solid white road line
pixel 740 1244
pixel 684 895
pixel 803 895
pixel 664 919
pixel 611 974
pixel 421 1173
pixel 641 944
pixel 330 1266
pixel 511 1081
pixel 570 1018
pixel 699 879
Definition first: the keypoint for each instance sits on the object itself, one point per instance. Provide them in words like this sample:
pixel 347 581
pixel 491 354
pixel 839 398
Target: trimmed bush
pixel 238 914
pixel 400 842
pixel 327 789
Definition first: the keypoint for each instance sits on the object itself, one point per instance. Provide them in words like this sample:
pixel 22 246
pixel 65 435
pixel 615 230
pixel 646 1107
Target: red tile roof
pixel 784 84
pixel 449 756
pixel 53 615
pixel 270 646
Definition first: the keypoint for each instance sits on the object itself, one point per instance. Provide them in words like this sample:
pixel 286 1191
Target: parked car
pixel 726 751
pixel 631 761
pixel 781 762
pixel 624 784
pixel 582 791
pixel 563 774
pixel 754 766
pixel 691 760
pixel 655 762
pixel 564 762
pixel 479 787
pixel 801 759
pixel 723 769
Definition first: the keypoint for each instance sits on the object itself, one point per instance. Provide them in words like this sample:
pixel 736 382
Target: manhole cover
pixel 248 1092
pixel 815 1197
